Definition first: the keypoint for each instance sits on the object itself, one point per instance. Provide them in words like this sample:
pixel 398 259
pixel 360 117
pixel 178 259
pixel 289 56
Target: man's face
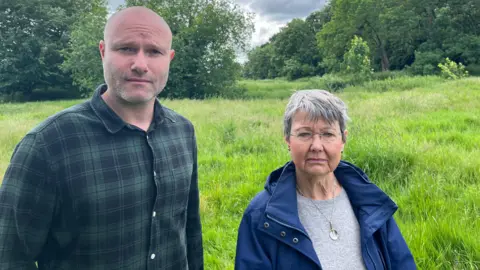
pixel 136 57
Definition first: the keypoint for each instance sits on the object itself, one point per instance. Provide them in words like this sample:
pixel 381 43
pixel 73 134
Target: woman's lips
pixel 317 160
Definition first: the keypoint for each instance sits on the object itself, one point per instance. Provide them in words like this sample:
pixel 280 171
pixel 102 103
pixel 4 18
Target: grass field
pixel 417 138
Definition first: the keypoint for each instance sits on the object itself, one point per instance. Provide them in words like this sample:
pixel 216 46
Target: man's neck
pixel 139 115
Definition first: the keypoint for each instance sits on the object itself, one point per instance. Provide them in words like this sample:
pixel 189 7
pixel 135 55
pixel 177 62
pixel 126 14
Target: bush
pixel 236 91
pixel 335 83
pixel 294 70
pixel 426 62
pixel 452 70
pixel 332 82
pixel 385 75
pixel 398 84
pixel 473 69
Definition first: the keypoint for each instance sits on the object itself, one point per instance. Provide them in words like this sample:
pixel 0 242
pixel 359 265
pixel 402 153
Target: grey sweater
pixel 345 252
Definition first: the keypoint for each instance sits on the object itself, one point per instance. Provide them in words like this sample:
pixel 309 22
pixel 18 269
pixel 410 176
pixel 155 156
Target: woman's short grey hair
pixel 318 104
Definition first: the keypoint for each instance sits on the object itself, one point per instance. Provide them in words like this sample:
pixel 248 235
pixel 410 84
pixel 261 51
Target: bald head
pixel 132 16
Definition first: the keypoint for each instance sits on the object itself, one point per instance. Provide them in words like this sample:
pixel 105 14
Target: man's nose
pixel 139 65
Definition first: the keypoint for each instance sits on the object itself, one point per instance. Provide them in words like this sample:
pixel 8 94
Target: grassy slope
pixel 419 143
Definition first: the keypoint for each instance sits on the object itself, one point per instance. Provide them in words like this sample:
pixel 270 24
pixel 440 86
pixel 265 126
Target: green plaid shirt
pixel 85 190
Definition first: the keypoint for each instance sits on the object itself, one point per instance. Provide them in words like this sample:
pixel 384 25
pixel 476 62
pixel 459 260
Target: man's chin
pixel 138 96
pixel 138 99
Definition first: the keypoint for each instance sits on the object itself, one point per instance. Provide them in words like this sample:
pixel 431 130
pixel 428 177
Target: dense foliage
pixel 400 34
pixel 49 48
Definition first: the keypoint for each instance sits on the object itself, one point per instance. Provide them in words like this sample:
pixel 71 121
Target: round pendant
pixel 333 234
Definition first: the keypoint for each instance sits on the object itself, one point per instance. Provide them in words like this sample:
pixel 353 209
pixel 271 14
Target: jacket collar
pixel 371 205
pixel 112 122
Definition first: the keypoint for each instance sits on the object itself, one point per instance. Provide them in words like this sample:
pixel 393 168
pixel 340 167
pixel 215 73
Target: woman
pixel 318 212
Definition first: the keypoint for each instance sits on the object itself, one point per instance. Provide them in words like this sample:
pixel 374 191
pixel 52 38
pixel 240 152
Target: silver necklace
pixel 332 233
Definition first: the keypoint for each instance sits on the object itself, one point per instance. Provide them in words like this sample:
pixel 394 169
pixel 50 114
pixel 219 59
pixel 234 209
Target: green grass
pixel 385 82
pixel 419 142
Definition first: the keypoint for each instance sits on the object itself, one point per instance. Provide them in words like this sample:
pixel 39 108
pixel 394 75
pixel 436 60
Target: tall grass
pixel 381 82
pixel 419 142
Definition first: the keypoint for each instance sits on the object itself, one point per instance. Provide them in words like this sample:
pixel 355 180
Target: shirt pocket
pixel 181 185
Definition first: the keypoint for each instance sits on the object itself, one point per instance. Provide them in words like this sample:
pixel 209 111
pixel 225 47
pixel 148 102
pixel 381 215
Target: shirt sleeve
pixel 194 227
pixel 27 201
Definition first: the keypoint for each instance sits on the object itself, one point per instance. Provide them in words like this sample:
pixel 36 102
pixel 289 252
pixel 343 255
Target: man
pixel 110 183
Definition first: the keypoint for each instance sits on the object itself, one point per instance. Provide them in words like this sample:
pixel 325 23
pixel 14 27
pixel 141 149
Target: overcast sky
pixel 270 15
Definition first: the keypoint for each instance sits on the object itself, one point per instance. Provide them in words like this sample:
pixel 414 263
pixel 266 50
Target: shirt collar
pixel 112 122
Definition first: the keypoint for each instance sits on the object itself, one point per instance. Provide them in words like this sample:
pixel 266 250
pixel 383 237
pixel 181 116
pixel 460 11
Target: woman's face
pixel 315 146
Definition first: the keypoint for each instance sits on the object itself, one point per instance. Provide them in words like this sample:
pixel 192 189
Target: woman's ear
pixel 287 141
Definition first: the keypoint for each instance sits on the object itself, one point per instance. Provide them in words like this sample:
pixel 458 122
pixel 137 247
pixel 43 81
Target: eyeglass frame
pixel 322 136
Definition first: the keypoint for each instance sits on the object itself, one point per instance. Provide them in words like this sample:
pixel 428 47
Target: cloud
pixel 272 15
pixel 283 10
pixel 113 4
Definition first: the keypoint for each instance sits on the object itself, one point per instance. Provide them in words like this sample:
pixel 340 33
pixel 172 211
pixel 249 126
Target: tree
pixel 354 17
pixel 317 19
pixel 206 34
pixel 450 29
pixel 357 59
pixel 296 41
pixel 260 64
pixel 82 58
pixel 292 52
pixel 32 34
pixel 400 32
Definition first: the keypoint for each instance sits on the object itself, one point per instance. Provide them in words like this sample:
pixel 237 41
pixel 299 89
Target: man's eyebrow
pixel 122 43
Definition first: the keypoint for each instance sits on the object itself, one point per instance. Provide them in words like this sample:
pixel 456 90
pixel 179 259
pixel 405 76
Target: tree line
pixel 49 48
pixel 415 36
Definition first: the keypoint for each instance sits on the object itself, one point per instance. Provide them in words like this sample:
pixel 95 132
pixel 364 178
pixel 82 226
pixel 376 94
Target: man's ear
pixel 101 47
pixel 172 54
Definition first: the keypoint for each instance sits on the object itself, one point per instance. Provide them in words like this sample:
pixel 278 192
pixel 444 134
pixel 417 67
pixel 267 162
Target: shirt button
pixel 152 256
pixel 266 225
pixel 148 137
pixel 295 240
pixel 154 214
pixel 283 234
pixel 154 173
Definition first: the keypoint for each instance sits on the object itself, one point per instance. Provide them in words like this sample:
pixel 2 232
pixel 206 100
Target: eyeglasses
pixel 326 137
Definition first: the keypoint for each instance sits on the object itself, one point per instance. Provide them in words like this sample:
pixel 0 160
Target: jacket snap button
pixel 266 225
pixel 283 234
pixel 295 240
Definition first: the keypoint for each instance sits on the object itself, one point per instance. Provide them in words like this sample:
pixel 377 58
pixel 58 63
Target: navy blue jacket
pixel 271 235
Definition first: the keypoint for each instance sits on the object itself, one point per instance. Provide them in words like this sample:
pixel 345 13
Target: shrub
pixel 426 62
pixel 294 69
pixel 473 69
pixel 337 82
pixel 385 75
pixel 452 70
